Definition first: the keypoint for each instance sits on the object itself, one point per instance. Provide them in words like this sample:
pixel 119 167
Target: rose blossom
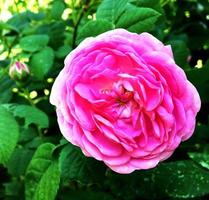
pixel 122 99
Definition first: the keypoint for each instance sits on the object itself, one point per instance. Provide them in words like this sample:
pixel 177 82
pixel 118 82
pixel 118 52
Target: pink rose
pixel 122 99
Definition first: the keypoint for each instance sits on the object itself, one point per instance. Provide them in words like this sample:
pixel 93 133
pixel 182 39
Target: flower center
pixel 124 96
pixel 122 101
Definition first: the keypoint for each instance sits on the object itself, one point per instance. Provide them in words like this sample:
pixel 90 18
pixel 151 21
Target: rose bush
pixel 122 99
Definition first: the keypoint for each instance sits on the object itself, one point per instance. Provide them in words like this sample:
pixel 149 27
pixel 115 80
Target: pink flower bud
pixel 18 71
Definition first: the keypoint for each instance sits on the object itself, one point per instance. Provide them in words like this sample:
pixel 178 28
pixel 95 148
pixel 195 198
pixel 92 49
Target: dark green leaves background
pixel 36 163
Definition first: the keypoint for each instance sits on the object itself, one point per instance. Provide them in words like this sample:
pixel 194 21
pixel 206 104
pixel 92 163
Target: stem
pixel 84 9
pixel 24 93
pixel 40 99
pixel 9 47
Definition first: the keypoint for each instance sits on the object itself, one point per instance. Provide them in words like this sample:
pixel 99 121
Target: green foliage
pixel 6 86
pixel 181 179
pixel 19 161
pixel 42 175
pixel 32 115
pixel 63 51
pixel 33 43
pixel 36 163
pixel 200 78
pixel 58 8
pixel 138 19
pixel 75 166
pixel 8 137
pixel 181 53
pixel 111 10
pixel 88 30
pixel 41 62
pixel 200 158
pixel 124 15
pixel 49 183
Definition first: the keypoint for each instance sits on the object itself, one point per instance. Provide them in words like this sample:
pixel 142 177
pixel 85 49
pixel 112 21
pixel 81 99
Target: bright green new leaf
pixel 42 175
pixel 110 10
pixel 137 19
pixel 41 62
pixel 89 30
pixel 33 43
pixel 9 133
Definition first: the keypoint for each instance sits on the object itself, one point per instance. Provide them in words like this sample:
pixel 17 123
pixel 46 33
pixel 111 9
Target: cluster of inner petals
pixel 123 100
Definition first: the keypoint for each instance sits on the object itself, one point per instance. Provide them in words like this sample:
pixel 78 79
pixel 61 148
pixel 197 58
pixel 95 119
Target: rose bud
pixel 19 71
pixel 123 100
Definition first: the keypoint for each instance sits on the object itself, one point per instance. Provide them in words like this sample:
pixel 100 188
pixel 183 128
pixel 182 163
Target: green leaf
pixel 36 16
pixel 6 85
pixel 110 10
pixel 138 19
pixel 181 179
pixel 200 158
pixel 49 183
pixel 63 51
pixel 27 134
pixel 9 133
pixel 13 188
pixel 35 142
pixel 198 76
pixel 58 8
pixel 19 20
pixel 19 161
pixel 7 26
pixel 34 43
pixel 88 30
pixel 75 166
pixel 41 62
pixel 42 175
pixel 200 79
pixel 181 53
pixel 32 115
pixel 154 4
